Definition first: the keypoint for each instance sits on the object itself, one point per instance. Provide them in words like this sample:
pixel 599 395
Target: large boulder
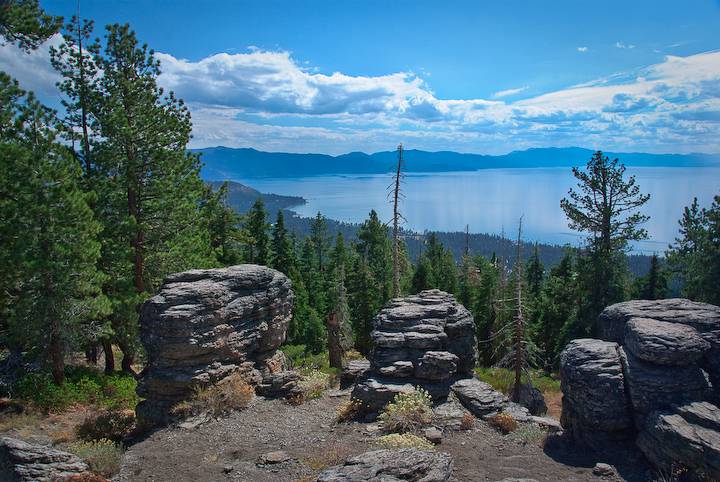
pixel 595 407
pixel 662 360
pixel 484 401
pixel 22 461
pixel 425 340
pixel 392 466
pixel 205 325
pixel 689 434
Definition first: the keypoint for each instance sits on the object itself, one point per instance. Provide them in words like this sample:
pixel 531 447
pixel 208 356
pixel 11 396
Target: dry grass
pixel 504 422
pixel 467 422
pixel 531 434
pixel 348 410
pixel 231 393
pixel 328 456
pixel 404 441
pixel 313 384
pixel 102 456
pixel 113 425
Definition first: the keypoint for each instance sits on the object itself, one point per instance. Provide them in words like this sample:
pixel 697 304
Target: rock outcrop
pixel 392 465
pixel 654 378
pixel 205 325
pixel 425 340
pixel 483 401
pixel 22 461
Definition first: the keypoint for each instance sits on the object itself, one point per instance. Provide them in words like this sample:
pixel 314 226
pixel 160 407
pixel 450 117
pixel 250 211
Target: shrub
pixel 467 422
pixel 231 393
pixel 503 422
pixel 313 384
pixel 408 411
pixel 404 441
pixel 102 456
pixel 110 425
pixel 529 433
pixel 348 410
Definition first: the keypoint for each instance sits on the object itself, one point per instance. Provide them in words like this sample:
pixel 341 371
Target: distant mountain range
pixel 229 163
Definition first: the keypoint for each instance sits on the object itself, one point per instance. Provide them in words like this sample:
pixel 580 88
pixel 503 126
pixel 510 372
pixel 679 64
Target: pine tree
pixel 282 249
pixel 606 206
pixel 320 242
pixel 150 192
pixel 25 23
pixel 48 240
pixel 654 285
pixel 222 223
pixel 423 277
pixel 442 264
pixel 256 228
pixel 396 194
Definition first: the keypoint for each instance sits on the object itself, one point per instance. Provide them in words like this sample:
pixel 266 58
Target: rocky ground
pixel 274 441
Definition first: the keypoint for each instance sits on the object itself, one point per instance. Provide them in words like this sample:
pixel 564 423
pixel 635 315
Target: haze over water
pixel 492 199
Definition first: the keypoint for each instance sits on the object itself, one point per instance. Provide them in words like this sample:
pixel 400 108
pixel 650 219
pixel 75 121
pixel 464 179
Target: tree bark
pixel 109 356
pixel 333 336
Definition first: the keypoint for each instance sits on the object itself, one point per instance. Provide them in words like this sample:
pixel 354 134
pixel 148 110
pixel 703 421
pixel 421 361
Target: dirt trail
pixel 230 449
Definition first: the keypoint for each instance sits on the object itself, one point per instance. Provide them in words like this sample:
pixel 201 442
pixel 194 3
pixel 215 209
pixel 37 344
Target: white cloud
pixel 270 100
pixel 582 49
pixel 621 45
pixel 509 92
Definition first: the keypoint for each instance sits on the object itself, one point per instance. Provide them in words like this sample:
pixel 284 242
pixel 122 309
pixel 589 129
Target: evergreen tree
pixel 654 285
pixel 150 192
pixel 48 239
pixel 320 242
pixel 25 23
pixel 534 275
pixel 606 206
pixel 442 264
pixel 282 249
pixel 423 277
pixel 484 308
pixel 256 228
pixel 222 223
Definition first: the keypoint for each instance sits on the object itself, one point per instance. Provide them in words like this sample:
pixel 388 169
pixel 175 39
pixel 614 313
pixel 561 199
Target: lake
pixel 492 200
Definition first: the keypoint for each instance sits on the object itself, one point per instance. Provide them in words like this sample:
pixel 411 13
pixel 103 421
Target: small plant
pixel 348 410
pixel 404 441
pixel 467 422
pixel 328 456
pixel 110 425
pixel 353 355
pixel 231 393
pixel 408 412
pixel 313 384
pixel 531 434
pixel 102 456
pixel 504 422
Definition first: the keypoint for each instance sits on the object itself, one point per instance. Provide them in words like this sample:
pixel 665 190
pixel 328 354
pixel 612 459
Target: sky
pixel 491 77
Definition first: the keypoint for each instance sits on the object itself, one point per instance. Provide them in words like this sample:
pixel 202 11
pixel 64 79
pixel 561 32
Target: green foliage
pixel 113 425
pixel 82 386
pixel 408 412
pixel 313 384
pixel 222 222
pixel 256 232
pixel 654 285
pixel 502 379
pixel 102 456
pixel 25 23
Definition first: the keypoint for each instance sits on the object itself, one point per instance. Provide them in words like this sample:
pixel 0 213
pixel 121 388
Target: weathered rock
pixel 532 399
pixel 603 470
pixel 549 424
pixel 275 457
pixel 205 325
pixel 437 365
pixel 663 343
pixel 701 316
pixel 652 387
pixel 449 414
pixel 353 370
pixel 21 461
pixel 687 434
pixel 279 385
pixel 425 340
pixel 479 397
pixel 392 466
pixel 595 407
pixel 433 434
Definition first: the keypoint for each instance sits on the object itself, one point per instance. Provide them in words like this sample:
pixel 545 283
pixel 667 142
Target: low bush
pixel 102 456
pixel 313 384
pixel 113 425
pixel 231 393
pixel 531 434
pixel 404 441
pixel 348 410
pixel 408 412
pixel 467 422
pixel 504 422
pixel 82 386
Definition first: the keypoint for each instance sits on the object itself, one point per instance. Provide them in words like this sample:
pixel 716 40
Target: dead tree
pixel 396 220
pixel 518 339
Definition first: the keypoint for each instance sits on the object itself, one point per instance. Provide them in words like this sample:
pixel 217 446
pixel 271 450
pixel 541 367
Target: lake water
pixel 491 200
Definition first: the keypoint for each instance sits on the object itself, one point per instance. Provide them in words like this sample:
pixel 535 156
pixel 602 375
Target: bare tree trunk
pixel 109 355
pixel 467 240
pixel 333 334
pixel 56 354
pixel 91 354
pixel 396 215
pixel 519 328
pixel 128 358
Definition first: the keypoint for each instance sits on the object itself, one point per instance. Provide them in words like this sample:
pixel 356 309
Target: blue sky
pixel 471 76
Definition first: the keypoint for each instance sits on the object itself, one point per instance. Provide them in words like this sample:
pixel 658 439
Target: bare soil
pixel 231 449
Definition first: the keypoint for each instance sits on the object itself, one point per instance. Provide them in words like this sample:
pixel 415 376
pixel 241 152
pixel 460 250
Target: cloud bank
pixel 270 100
